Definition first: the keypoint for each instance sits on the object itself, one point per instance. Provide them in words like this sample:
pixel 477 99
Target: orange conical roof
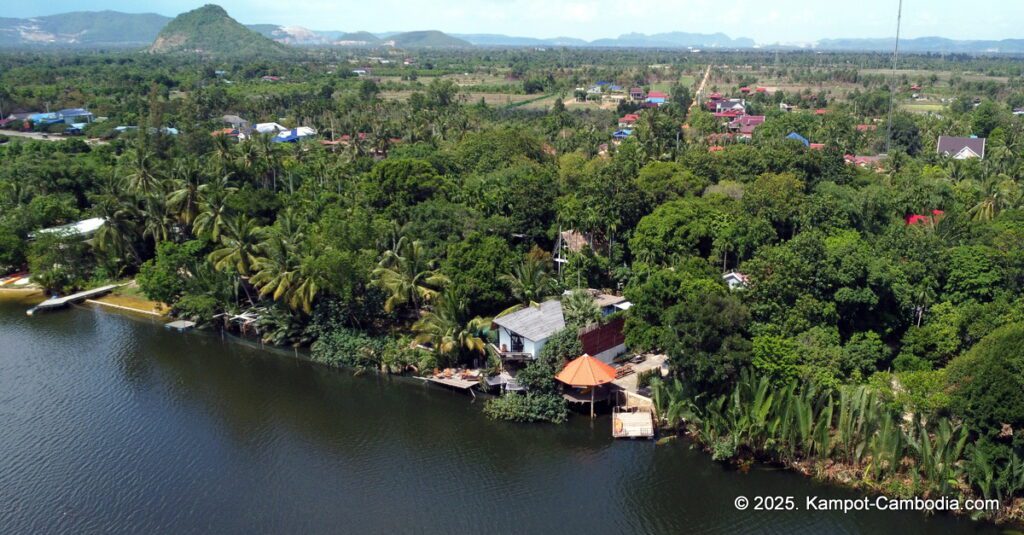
pixel 586 371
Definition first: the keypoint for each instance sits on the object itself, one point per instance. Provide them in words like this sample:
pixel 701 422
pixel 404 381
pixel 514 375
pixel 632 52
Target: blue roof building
pixel 44 118
pixel 798 137
pixel 75 115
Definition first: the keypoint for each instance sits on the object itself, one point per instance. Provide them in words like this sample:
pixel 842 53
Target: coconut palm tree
pixel 283 273
pixel 213 209
pixel 186 180
pixel 223 154
pixel 407 276
pixel 142 173
pixel 529 282
pixel 1000 192
pixel 450 332
pixel 580 309
pixel 119 233
pixel 240 246
pixel 159 220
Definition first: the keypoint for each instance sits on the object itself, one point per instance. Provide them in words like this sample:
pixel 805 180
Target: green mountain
pixel 427 39
pixel 83 29
pixel 209 31
pixel 358 39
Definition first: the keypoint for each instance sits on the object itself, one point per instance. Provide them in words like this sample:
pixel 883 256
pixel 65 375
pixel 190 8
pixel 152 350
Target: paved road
pixel 32 135
pixel 49 137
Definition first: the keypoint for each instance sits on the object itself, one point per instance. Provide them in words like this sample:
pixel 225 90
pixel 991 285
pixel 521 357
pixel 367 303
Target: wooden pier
pixel 60 302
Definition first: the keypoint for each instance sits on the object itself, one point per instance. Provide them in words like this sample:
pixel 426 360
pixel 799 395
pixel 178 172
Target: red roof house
pixel 746 124
pixel 728 114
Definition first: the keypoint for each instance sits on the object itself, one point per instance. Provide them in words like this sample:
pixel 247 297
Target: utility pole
pixel 892 81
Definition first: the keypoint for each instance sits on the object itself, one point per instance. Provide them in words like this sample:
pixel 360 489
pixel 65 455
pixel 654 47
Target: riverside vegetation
pixel 864 349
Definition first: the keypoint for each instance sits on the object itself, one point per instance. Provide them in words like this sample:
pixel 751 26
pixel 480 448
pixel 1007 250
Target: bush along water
pixel 848 435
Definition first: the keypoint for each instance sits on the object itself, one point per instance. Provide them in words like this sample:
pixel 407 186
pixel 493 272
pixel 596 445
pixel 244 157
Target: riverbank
pixel 134 305
pixel 26 296
pixel 115 424
pixel 829 474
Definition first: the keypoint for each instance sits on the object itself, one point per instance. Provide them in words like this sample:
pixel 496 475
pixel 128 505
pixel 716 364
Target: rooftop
pixel 535 322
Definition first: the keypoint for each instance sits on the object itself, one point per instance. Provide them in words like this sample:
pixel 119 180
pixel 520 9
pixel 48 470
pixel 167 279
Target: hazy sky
pixel 766 21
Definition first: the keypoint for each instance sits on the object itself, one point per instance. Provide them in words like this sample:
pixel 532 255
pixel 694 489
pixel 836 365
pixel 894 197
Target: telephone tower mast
pixel 892 80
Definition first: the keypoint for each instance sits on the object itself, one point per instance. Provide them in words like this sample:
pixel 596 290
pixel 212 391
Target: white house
pixel 522 334
pixel 735 280
pixel 269 128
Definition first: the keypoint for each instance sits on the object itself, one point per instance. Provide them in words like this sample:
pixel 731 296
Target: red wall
pixel 604 337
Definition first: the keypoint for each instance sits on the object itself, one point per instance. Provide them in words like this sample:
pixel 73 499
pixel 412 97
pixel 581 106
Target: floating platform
pixel 632 424
pixel 181 325
pixel 60 302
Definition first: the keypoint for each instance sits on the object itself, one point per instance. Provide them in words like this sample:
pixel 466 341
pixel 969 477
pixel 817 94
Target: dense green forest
pixel 862 343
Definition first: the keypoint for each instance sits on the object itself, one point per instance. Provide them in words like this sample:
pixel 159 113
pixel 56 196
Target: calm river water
pixel 117 425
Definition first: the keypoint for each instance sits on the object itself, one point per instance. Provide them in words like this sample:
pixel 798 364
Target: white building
pixel 84 229
pixel 522 334
pixel 735 280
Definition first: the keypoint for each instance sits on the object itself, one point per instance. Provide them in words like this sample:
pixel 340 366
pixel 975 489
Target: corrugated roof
pixel 535 322
pixel 951 146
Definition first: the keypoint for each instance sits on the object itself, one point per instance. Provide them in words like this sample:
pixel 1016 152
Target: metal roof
pixel 535 322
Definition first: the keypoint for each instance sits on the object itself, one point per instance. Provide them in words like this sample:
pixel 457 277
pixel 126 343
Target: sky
pixel 765 21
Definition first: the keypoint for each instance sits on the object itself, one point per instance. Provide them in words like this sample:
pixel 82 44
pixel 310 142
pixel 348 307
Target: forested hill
pixel 210 31
pixel 427 39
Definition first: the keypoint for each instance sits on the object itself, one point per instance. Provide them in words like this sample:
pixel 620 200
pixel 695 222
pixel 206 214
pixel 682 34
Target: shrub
pixel 343 346
pixel 196 307
pixel 988 382
pixel 532 407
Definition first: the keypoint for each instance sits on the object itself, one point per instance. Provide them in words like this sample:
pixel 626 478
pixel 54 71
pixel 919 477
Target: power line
pixel 892 80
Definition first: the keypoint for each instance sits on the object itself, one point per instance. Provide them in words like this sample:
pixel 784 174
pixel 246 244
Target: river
pixel 116 425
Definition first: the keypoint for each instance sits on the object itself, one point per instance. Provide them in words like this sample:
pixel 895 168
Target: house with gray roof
pixel 522 334
pixel 961 148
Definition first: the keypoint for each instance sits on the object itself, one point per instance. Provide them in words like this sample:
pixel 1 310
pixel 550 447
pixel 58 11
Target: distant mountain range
pixel 106 29
pixel 87 29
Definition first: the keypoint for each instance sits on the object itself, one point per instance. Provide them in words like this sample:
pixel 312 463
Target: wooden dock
pixel 632 423
pixel 60 302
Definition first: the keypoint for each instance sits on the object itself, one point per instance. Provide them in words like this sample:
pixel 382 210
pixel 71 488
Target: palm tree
pixel 529 282
pixel 223 152
pixel 120 231
pixel 580 309
pixel 448 330
pixel 408 277
pixel 249 159
pixel 283 274
pixel 213 209
pixel 158 219
pixel 1001 192
pixel 143 177
pixel 186 180
pixel 240 246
